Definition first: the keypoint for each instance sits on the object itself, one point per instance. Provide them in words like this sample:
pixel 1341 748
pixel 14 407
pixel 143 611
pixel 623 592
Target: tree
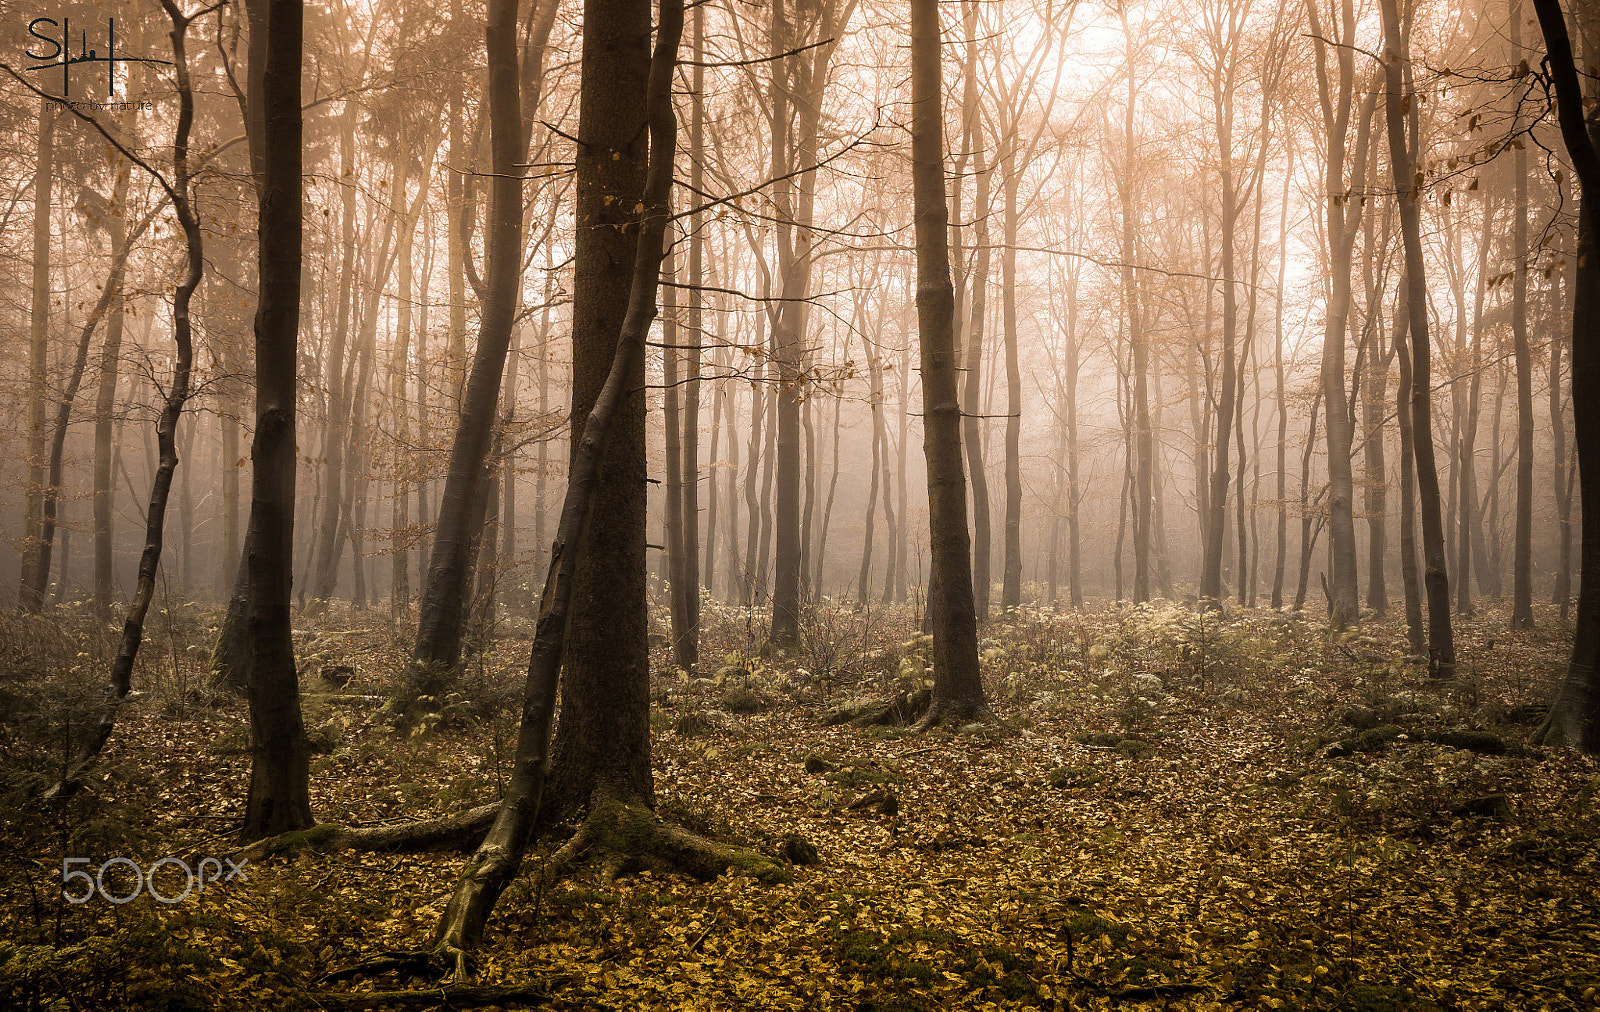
pixel 105 405
pixel 179 191
pixel 29 596
pixel 500 854
pixel 970 309
pixel 440 616
pixel 279 798
pixel 957 686
pixel 110 294
pixel 1436 579
pixel 1576 713
pixel 1343 221
pixel 1142 444
pixel 1522 553
pixel 1223 36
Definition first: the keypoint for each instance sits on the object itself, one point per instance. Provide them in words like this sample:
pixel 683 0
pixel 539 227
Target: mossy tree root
pixel 624 838
pixel 462 831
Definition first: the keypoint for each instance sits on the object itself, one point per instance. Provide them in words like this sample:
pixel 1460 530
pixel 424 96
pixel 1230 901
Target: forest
pixel 1081 508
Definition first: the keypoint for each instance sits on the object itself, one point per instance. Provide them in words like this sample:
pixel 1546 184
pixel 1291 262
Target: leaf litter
pixel 1189 813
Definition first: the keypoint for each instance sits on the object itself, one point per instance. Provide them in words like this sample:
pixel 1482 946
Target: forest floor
pixel 1189 812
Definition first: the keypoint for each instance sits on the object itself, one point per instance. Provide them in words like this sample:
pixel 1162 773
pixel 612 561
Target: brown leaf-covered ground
pixel 1187 812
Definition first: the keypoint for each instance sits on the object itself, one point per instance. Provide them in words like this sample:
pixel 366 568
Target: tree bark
pixel 601 749
pixel 1436 579
pixel 1576 712
pixel 958 686
pixel 279 796
pixel 105 407
pixel 1342 216
pixel 500 855
pixel 1142 447
pixel 177 395
pixel 110 294
pixel 438 647
pixel 29 595
pixel 1522 553
pixel 1410 583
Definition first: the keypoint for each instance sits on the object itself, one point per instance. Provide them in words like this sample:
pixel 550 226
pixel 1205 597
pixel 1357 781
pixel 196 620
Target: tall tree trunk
pixel 500 855
pixel 1380 354
pixel 601 749
pixel 105 406
pixel 1142 447
pixel 902 536
pixel 677 549
pixel 438 647
pixel 279 797
pixel 802 78
pixel 768 455
pixel 325 570
pixel 1576 713
pixel 1408 477
pixel 708 570
pixel 971 404
pixel 1307 514
pixel 753 582
pixel 1561 591
pixel 110 295
pixel 1522 553
pixel 738 580
pixel 1011 572
pixel 29 595
pixel 958 686
pixel 874 398
pixel 1436 579
pixel 176 397
pixel 400 412
pixel 818 572
pixel 690 475
pixel 1281 404
pixel 1343 219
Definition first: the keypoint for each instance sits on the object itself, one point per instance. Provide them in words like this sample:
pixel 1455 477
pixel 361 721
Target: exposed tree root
pixel 625 838
pixel 453 832
pixel 917 708
pixel 959 714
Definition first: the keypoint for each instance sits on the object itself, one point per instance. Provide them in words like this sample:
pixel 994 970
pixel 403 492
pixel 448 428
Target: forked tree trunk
pixel 1141 448
pixel 601 750
pixel 578 537
pixel 690 478
pixel 1343 220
